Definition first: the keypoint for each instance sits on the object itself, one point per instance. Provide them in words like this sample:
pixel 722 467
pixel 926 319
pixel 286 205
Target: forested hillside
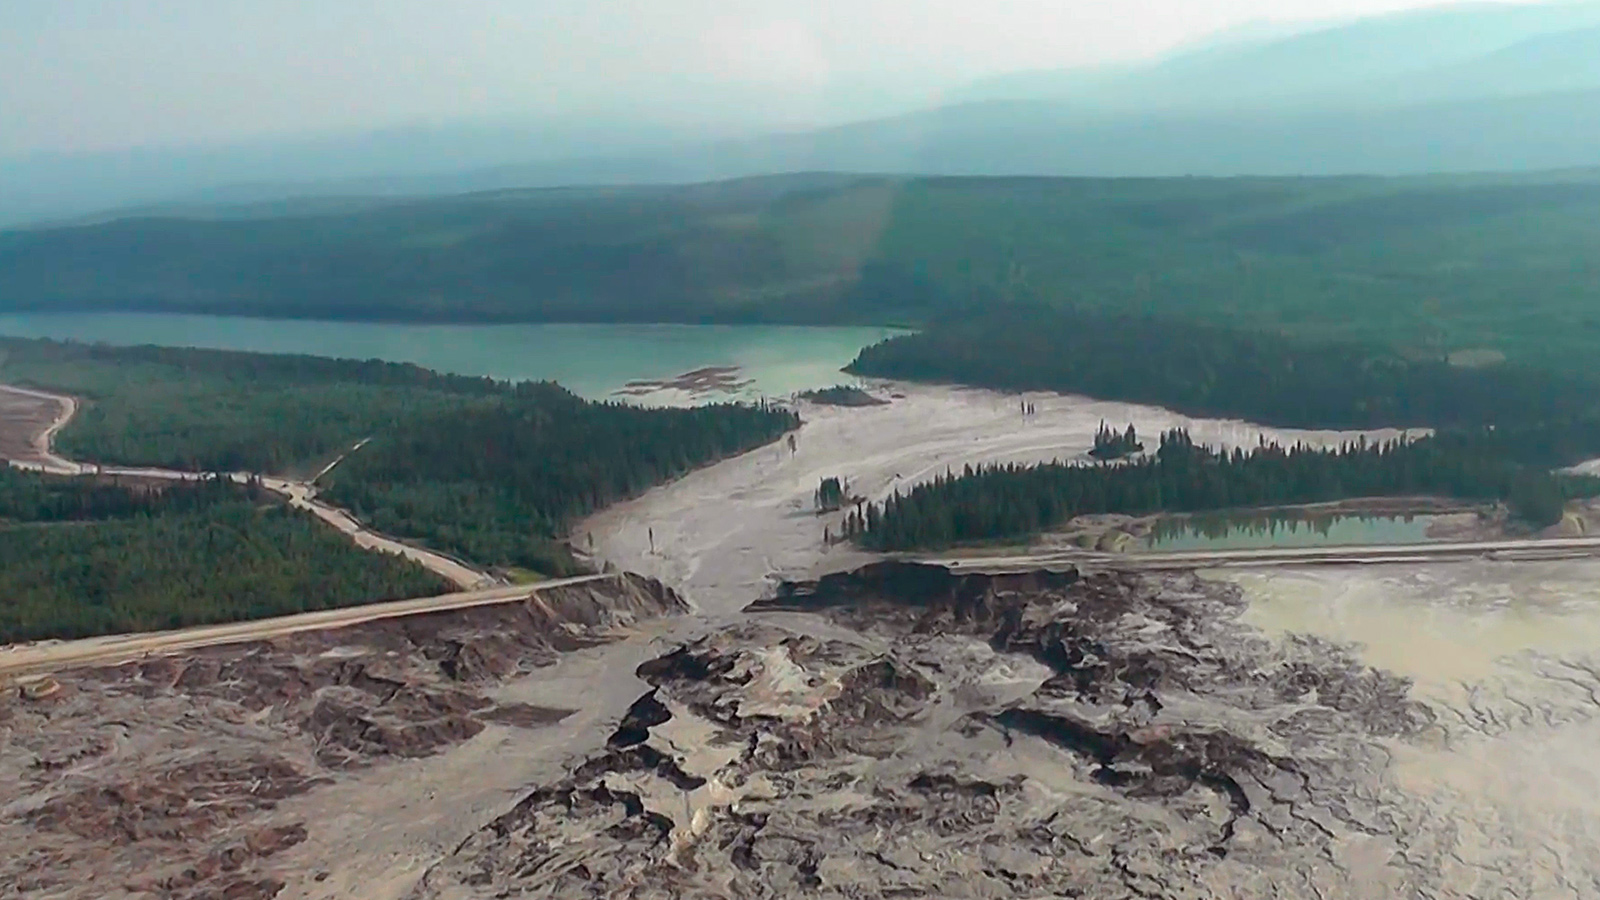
pixel 499 483
pixel 1433 264
pixel 214 410
pixel 1207 370
pixel 1010 502
pixel 80 557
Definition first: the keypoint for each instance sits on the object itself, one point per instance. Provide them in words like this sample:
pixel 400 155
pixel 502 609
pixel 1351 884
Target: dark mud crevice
pixel 645 713
pixel 639 758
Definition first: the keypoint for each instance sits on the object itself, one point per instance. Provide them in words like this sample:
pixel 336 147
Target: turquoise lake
pixel 592 360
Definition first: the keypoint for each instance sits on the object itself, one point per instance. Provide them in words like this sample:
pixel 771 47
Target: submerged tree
pixel 1109 444
pixel 831 494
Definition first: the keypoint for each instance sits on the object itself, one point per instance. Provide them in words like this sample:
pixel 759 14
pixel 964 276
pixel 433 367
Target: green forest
pixel 223 411
pixel 1012 502
pixel 82 557
pixel 1217 371
pixel 490 471
pixel 1428 264
pixel 500 483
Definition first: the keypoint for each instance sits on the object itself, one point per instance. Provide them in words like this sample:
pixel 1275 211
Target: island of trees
pixel 842 395
pixel 1110 444
pixel 1010 502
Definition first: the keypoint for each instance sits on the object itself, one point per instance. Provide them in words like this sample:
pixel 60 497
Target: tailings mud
pixel 901 731
pixel 201 775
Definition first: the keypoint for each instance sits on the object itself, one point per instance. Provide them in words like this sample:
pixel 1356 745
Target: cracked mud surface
pixel 903 732
pixel 196 776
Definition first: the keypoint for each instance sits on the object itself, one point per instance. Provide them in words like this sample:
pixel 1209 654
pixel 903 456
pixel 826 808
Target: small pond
pixel 1263 530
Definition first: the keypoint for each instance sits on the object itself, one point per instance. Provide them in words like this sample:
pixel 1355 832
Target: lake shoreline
pixel 592 360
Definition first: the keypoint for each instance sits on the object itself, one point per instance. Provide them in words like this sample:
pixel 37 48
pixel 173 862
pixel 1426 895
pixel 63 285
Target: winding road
pixel 300 494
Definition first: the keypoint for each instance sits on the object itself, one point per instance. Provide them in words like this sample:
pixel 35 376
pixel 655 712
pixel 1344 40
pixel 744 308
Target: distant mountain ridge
pixel 1344 60
pixel 1472 87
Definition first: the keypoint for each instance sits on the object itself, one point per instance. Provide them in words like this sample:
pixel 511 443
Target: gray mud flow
pixel 900 731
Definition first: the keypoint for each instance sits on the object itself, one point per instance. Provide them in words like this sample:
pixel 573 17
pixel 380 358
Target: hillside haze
pixel 1472 87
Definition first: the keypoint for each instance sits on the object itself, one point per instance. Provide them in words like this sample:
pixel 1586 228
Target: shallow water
pixel 592 360
pixel 1250 532
pixel 1442 625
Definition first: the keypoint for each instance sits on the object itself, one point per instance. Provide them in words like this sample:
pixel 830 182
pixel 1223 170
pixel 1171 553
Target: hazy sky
pixel 108 74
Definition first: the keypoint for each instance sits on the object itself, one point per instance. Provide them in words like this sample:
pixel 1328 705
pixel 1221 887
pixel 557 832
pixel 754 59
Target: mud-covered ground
pixel 723 534
pixel 1415 730
pixel 1036 735
pixel 901 732
pixel 216 773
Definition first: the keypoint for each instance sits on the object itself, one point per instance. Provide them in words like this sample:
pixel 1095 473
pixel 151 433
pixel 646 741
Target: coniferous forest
pixel 1012 501
pixel 80 557
pixel 224 411
pixel 490 471
pixel 497 484
pixel 1227 372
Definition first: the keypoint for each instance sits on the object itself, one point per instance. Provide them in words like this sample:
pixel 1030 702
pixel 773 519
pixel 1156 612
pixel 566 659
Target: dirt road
pixel 1525 549
pixel 29 420
pixel 40 457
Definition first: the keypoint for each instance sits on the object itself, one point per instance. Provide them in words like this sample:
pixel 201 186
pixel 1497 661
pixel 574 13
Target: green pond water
pixel 1257 532
pixel 592 360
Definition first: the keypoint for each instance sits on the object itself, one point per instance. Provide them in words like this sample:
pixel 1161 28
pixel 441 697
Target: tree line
pixel 1013 501
pixel 491 471
pixel 501 484
pixel 1227 372
pixel 1112 444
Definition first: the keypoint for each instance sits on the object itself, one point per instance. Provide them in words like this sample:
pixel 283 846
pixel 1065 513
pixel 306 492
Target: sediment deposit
pixel 901 731
pixel 178 776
